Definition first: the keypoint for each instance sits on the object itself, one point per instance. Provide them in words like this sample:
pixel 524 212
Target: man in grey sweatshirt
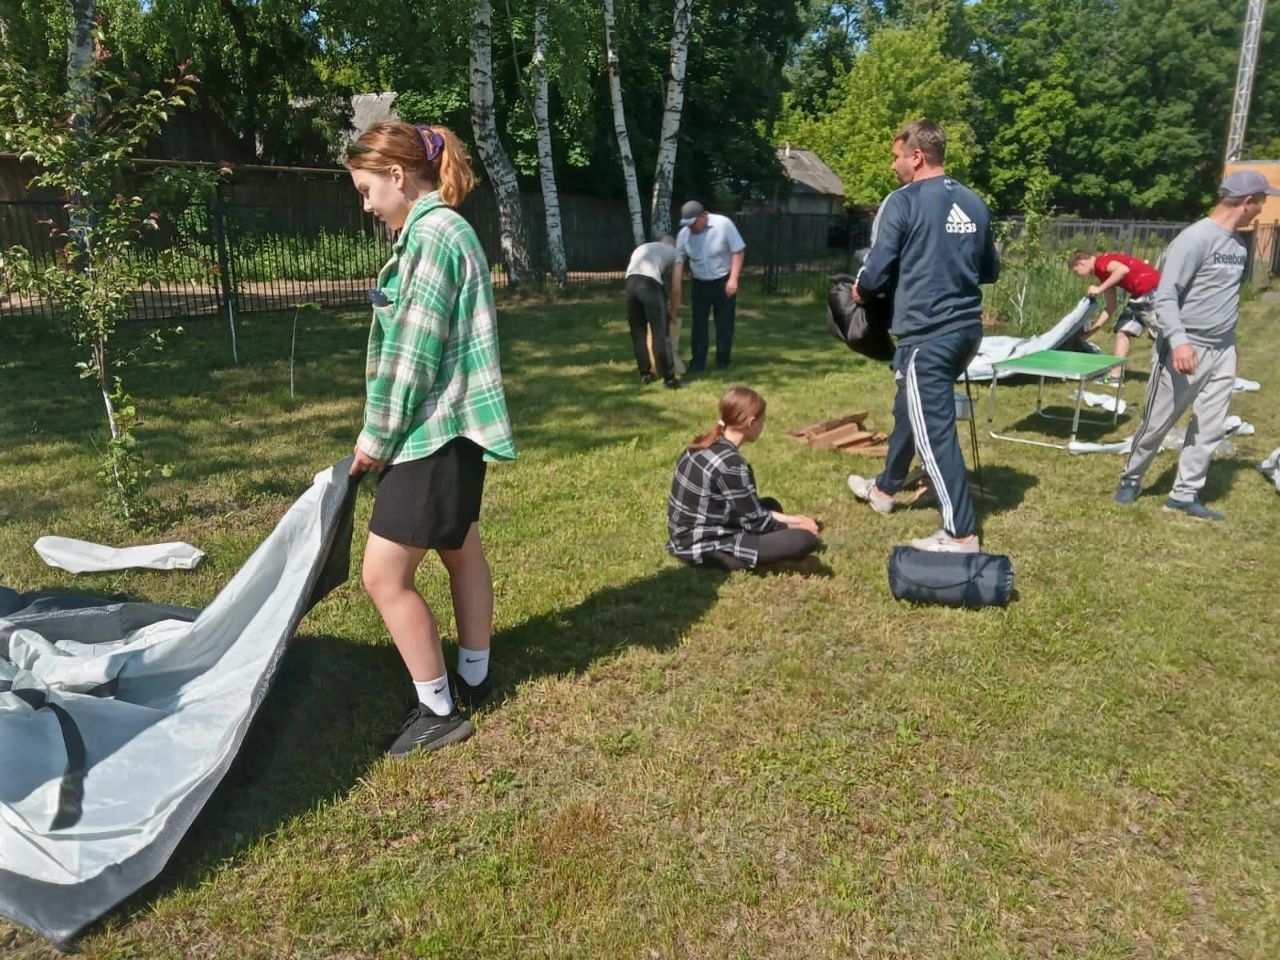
pixel 1194 362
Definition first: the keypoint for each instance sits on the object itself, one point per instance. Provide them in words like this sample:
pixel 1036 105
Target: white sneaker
pixel 943 542
pixel 867 491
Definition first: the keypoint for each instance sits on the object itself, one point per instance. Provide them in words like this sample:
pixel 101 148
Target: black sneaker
pixel 467 696
pixel 672 384
pixel 426 731
pixel 648 378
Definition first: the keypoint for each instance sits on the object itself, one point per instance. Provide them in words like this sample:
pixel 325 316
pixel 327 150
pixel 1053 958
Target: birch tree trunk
pixel 546 165
pixel 664 171
pixel 497 165
pixel 80 84
pixel 80 55
pixel 620 126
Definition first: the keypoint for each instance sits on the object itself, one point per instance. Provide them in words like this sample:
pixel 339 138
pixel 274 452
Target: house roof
pixel 370 108
pixel 806 170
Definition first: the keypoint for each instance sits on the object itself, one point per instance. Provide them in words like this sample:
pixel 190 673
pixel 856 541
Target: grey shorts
pixel 1138 315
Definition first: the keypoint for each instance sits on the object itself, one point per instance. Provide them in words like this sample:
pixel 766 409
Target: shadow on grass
pixel 324 723
pixel 998 489
pixel 1057 425
pixel 335 705
pixel 654 612
pixel 1003 489
pixel 1222 477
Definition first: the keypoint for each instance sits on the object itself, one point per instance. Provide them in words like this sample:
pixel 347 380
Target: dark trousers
pixel 709 295
pixel 924 423
pixel 785 544
pixel 647 310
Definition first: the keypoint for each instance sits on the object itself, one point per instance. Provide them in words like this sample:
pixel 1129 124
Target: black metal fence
pixel 252 255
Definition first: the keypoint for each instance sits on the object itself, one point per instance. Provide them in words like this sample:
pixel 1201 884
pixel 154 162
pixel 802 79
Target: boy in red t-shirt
pixel 1135 277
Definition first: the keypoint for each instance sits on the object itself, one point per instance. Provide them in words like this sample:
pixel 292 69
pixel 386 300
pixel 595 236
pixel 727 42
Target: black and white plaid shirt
pixel 714 507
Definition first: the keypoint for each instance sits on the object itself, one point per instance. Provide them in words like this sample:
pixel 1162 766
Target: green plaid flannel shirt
pixel 432 372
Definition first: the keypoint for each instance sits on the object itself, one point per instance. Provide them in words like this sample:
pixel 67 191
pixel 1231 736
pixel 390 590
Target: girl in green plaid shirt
pixel 435 413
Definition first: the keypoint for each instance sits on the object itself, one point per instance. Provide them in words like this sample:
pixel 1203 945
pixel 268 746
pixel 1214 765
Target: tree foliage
pixel 1117 107
pixel 903 74
pixel 1107 107
pixel 83 146
pixel 259 63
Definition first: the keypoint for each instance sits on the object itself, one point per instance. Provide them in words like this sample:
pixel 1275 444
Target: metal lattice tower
pixel 1244 77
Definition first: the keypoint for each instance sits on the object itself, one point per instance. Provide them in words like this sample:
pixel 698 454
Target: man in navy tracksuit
pixel 933 247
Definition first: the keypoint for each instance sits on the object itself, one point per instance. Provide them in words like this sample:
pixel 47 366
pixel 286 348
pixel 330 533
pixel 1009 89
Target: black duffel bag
pixel 862 328
pixel 950 579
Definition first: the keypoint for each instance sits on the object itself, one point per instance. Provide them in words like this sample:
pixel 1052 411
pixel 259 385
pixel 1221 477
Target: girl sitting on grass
pixel 714 515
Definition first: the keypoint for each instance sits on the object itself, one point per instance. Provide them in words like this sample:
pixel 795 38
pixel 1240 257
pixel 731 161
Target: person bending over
pixel 714 515
pixel 1135 277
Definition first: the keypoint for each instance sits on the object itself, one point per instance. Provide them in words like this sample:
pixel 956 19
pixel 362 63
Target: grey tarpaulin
pixel 994 349
pixel 118 720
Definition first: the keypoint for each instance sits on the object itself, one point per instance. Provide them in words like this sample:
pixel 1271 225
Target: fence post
pixel 849 246
pixel 771 254
pixel 226 288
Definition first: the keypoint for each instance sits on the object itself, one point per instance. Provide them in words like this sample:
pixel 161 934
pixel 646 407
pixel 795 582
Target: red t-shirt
pixel 1141 279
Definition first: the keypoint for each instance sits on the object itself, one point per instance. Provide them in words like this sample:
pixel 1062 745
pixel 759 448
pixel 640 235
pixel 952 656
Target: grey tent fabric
pixel 994 349
pixel 81 556
pixel 118 720
pixel 1270 468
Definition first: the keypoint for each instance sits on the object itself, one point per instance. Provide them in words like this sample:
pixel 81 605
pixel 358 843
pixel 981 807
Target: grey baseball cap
pixel 1246 183
pixel 690 212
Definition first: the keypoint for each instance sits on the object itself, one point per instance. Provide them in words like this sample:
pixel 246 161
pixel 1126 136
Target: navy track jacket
pixel 932 249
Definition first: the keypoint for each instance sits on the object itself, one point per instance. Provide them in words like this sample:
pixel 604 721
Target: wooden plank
pixel 839 437
pixel 806 432
pixel 879 451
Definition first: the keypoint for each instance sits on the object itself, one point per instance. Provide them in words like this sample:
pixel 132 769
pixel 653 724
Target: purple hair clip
pixel 432 143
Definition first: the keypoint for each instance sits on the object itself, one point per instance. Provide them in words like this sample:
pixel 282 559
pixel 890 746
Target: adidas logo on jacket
pixel 958 221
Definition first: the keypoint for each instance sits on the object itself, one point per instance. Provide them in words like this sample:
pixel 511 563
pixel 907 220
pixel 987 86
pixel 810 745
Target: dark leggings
pixel 788 544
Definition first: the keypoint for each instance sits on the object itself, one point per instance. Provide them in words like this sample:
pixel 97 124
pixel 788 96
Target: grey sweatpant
pixel 1207 392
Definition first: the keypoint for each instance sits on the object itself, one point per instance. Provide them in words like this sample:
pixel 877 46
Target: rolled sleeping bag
pixel 950 579
pixel 863 328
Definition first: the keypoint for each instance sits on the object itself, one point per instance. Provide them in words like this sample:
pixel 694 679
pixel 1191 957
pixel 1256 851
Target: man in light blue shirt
pixel 715 250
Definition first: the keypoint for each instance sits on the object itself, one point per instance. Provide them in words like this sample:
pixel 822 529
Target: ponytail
pixel 707 437
pixel 738 407
pixel 432 153
pixel 456 179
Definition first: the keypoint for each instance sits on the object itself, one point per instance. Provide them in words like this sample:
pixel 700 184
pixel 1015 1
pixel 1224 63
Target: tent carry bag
pixel 951 579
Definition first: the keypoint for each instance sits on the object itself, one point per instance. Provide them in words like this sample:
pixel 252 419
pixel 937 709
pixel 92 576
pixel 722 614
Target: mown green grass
pixel 687 764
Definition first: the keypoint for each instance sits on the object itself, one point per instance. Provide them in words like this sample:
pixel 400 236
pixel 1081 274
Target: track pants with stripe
pixel 1207 392
pixel 924 423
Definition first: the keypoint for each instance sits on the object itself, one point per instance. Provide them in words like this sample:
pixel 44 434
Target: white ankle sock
pixel 473 665
pixel 434 695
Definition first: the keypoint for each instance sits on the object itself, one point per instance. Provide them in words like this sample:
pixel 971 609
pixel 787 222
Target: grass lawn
pixel 690 764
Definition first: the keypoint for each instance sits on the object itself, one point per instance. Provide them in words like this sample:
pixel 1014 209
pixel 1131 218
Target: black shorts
pixel 431 503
